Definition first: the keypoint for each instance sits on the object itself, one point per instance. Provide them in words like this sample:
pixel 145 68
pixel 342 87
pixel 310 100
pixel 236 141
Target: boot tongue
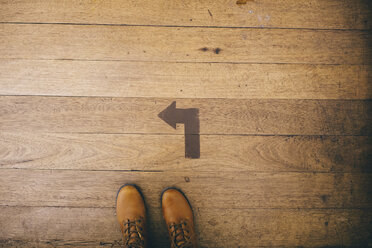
pixel 134 240
pixel 133 235
pixel 180 236
pixel 182 243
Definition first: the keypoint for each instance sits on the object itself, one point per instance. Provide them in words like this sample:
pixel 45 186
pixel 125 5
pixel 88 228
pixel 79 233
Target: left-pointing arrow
pixel 190 118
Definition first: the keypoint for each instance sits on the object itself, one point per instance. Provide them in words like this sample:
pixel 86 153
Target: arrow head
pixel 169 115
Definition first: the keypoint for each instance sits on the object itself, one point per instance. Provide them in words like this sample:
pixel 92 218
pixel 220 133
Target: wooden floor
pixel 283 93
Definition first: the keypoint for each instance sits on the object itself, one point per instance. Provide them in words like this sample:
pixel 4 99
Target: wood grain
pixel 166 152
pixel 184 80
pixel 217 116
pixel 350 14
pixel 230 189
pixel 97 227
pixel 173 44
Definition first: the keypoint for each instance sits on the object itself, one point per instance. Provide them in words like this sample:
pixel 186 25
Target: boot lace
pixel 180 236
pixel 133 234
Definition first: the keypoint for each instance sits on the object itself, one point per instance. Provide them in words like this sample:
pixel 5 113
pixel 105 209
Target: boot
pixel 179 219
pixel 131 214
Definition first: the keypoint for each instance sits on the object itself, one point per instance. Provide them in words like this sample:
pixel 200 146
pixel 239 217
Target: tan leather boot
pixel 131 214
pixel 179 219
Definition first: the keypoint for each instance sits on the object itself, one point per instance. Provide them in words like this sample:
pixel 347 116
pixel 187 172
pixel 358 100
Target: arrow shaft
pixel 192 137
pixel 192 145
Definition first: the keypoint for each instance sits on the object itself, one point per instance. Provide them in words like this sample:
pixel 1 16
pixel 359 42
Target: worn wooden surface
pixel 176 44
pixel 283 90
pixel 184 80
pixel 228 152
pixel 218 116
pixel 96 188
pixel 97 227
pixel 318 14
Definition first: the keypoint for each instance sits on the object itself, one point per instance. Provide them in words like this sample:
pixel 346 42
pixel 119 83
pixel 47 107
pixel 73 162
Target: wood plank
pixel 217 116
pixel 229 189
pixel 184 80
pixel 97 227
pixel 166 152
pixel 350 14
pixel 173 44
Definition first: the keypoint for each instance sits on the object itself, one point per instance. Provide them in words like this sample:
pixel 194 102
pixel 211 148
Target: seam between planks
pixel 179 26
pixel 188 171
pixel 251 208
pixel 368 100
pixel 207 134
pixel 183 62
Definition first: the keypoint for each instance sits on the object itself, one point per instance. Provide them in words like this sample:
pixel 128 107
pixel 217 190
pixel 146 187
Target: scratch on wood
pixel 241 2
pixel 210 13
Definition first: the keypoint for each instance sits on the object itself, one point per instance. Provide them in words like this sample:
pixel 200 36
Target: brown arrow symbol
pixel 190 119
